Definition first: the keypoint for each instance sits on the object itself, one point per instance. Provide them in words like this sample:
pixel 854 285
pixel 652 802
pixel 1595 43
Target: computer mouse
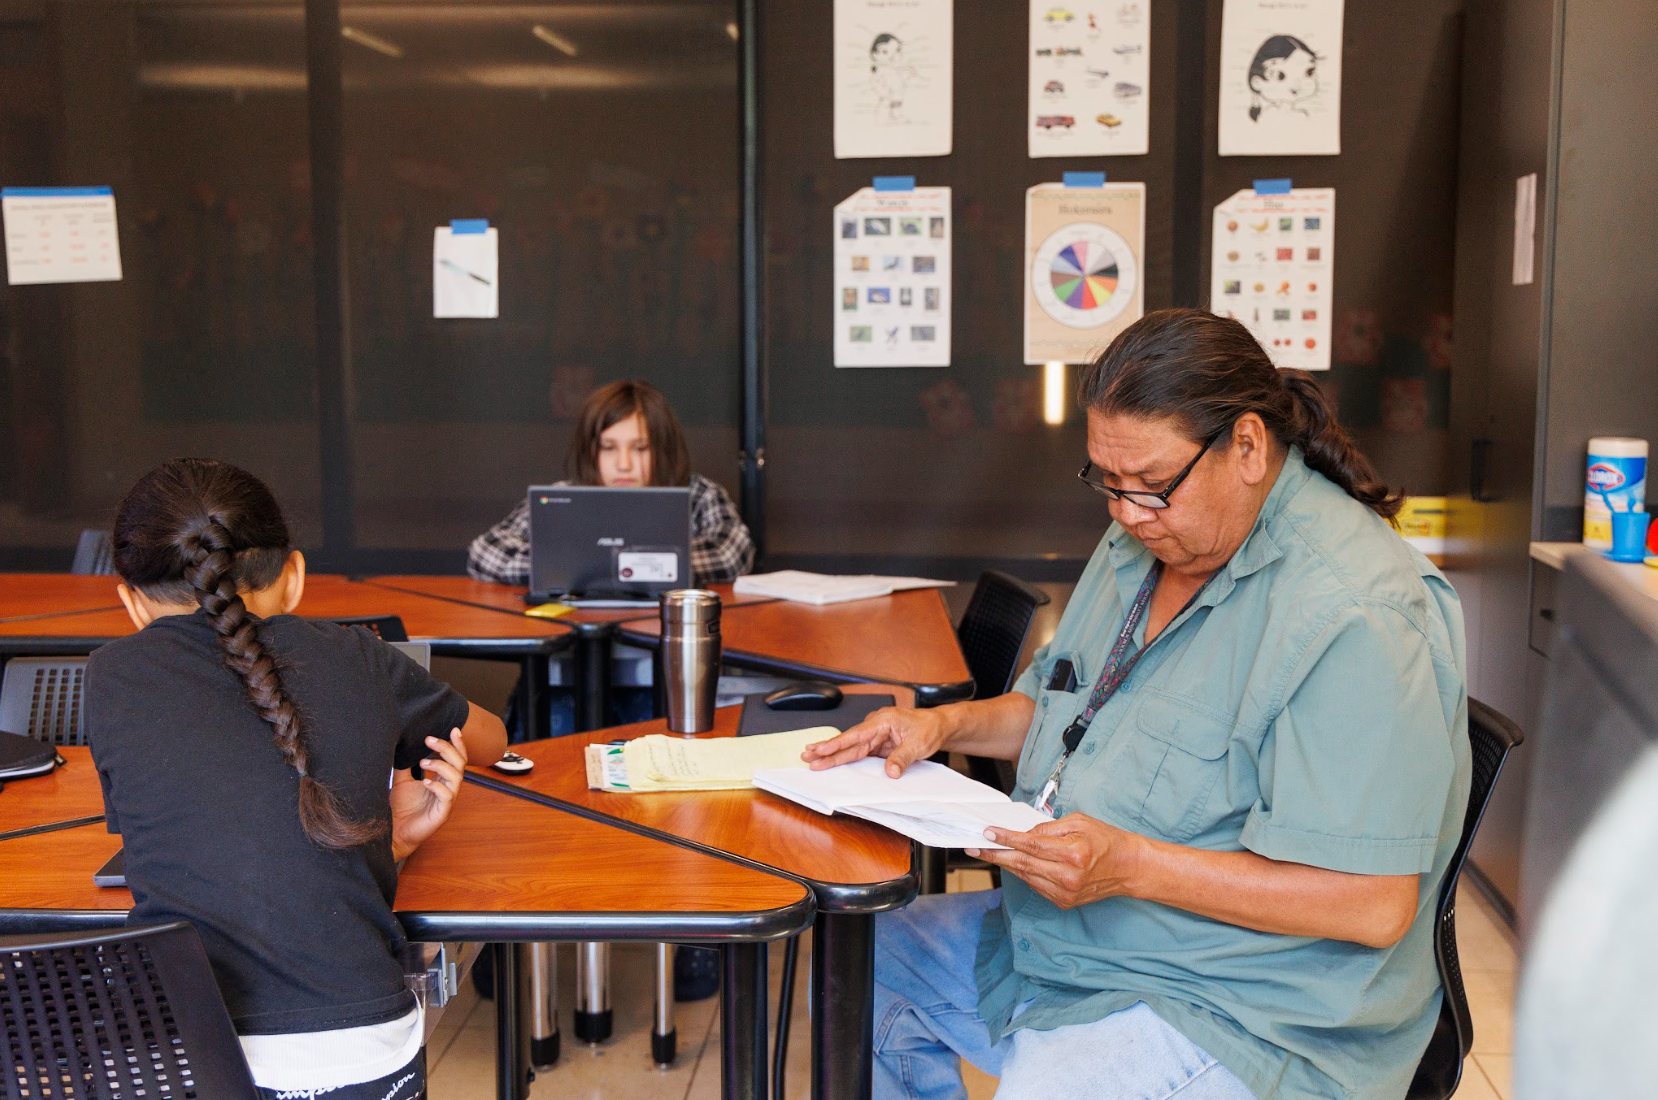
pixel 810 695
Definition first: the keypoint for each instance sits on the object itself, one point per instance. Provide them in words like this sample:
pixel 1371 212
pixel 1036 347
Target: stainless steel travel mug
pixel 690 660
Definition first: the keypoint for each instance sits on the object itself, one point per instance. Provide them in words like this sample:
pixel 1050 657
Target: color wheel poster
pixel 1273 269
pixel 1084 284
pixel 892 278
pixel 1089 78
pixel 1280 78
pixel 893 73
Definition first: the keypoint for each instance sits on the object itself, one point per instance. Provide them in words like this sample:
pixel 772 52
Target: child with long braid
pixel 245 756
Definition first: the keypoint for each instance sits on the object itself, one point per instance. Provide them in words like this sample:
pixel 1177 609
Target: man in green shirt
pixel 1251 729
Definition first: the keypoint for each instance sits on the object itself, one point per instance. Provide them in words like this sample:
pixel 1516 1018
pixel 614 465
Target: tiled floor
pixel 461 1054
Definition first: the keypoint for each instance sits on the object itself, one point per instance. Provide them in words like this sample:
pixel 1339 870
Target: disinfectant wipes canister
pixel 1616 482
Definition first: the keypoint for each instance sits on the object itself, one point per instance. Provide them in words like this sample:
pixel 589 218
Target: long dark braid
pixel 206 530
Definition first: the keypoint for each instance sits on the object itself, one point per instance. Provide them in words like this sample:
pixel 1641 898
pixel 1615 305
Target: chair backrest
pixel 94 554
pixel 993 629
pixel 1490 738
pixel 388 628
pixel 40 697
pixel 118 1016
pixel 992 634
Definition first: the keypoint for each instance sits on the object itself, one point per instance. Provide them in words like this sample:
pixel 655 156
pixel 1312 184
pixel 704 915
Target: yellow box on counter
pixel 1423 518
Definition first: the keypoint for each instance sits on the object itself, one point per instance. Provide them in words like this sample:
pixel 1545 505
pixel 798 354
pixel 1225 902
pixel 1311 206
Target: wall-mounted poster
pixel 1084 281
pixel 1273 268
pixel 1090 78
pixel 892 278
pixel 466 269
pixel 1280 78
pixel 60 235
pixel 893 77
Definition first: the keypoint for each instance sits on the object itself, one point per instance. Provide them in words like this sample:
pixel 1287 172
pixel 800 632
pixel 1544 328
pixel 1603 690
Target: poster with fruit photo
pixel 1089 78
pixel 1272 268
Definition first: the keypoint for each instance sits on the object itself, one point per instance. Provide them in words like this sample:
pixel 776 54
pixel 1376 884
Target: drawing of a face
pixel 1284 74
pixel 886 50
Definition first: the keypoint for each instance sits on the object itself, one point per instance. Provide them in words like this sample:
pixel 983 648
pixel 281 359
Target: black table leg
pixel 592 674
pixel 843 1006
pixel 512 1062
pixel 743 1002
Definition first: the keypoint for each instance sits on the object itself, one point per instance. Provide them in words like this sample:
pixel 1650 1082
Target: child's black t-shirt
pixel 301 938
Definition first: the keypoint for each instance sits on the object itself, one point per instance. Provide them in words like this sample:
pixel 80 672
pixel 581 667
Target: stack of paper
pixel 657 762
pixel 821 588
pixel 929 802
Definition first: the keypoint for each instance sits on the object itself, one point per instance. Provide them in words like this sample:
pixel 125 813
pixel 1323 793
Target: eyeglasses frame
pixel 1141 496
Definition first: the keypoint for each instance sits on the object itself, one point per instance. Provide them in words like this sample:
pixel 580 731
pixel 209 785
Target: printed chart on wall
pixel 60 235
pixel 892 278
pixel 1083 249
pixel 1089 78
pixel 893 78
pixel 1280 78
pixel 1273 268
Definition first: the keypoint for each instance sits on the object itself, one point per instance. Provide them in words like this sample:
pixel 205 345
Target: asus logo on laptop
pixel 612 542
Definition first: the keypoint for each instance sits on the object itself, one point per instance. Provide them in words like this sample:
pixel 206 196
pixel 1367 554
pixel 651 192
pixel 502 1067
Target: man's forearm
pixel 1291 899
pixel 989 727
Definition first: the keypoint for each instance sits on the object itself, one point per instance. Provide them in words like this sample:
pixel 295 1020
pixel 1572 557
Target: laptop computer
pixel 594 546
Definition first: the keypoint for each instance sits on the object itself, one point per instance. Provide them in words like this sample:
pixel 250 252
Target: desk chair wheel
pixel 696 973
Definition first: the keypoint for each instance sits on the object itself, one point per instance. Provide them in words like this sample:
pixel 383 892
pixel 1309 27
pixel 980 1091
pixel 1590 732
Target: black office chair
pixel 992 635
pixel 388 628
pixel 40 697
pixel 116 1015
pixel 1490 737
pixel 94 554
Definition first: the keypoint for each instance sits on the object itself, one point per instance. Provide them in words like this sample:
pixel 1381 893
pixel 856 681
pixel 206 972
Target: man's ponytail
pixel 1330 450
pixel 202 530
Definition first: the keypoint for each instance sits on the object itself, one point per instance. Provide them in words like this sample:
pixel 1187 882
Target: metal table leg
pixel 743 1003
pixel 592 674
pixel 512 1064
pixel 843 1006
pixel 664 1037
pixel 542 963
pixel 594 1018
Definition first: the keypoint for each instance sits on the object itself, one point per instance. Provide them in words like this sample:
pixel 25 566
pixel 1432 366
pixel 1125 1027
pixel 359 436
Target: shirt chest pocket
pixel 1161 766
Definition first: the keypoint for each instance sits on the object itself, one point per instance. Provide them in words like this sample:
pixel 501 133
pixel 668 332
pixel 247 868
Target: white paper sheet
pixel 1280 78
pixel 1525 229
pixel 1273 266
pixel 892 278
pixel 824 588
pixel 893 77
pixel 466 277
pixel 1083 278
pixel 60 235
pixel 1090 78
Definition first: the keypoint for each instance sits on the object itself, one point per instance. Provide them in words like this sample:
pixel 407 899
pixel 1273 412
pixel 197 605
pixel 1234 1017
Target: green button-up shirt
pixel 1310 706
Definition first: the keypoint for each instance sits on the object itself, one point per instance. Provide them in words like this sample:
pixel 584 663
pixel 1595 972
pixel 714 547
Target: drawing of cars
pixel 1125 90
pixel 1072 51
pixel 1054 87
pixel 1098 74
pixel 1110 122
pixel 1126 50
pixel 1058 15
pixel 1049 122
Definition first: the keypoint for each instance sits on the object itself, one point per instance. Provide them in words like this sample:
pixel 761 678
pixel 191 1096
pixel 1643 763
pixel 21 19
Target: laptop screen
pixel 590 541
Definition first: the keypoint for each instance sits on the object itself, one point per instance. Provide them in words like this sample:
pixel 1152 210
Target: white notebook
pixel 822 588
pixel 930 803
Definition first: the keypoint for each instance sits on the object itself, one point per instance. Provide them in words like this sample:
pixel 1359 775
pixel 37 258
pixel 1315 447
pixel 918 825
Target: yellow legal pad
pixel 659 762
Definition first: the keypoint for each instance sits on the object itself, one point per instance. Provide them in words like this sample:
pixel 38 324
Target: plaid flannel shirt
pixel 721 549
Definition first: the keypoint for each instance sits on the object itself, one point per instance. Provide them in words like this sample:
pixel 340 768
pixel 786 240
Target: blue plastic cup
pixel 1628 536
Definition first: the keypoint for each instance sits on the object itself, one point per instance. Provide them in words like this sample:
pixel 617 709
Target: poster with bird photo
pixel 1280 78
pixel 1083 276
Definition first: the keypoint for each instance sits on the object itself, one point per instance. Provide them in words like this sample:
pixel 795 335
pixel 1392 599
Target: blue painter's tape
pixel 1272 187
pixel 460 226
pixel 53 192
pixel 895 183
pixel 1084 179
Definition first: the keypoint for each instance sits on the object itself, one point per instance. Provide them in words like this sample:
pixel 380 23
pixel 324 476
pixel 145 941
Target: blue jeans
pixel 927 1020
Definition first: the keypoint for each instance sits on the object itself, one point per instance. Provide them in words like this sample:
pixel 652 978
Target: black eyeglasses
pixel 1092 477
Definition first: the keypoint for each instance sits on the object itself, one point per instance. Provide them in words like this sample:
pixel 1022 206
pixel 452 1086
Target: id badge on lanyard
pixel 1115 670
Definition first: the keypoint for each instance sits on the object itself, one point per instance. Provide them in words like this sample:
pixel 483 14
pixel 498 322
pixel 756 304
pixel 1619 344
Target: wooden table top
pixel 501 868
pixel 853 864
pixel 510 597
pixel 903 638
pixel 327 596
pixel 26 595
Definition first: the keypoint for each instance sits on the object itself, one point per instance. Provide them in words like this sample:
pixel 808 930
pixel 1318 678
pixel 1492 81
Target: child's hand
pixel 419 806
